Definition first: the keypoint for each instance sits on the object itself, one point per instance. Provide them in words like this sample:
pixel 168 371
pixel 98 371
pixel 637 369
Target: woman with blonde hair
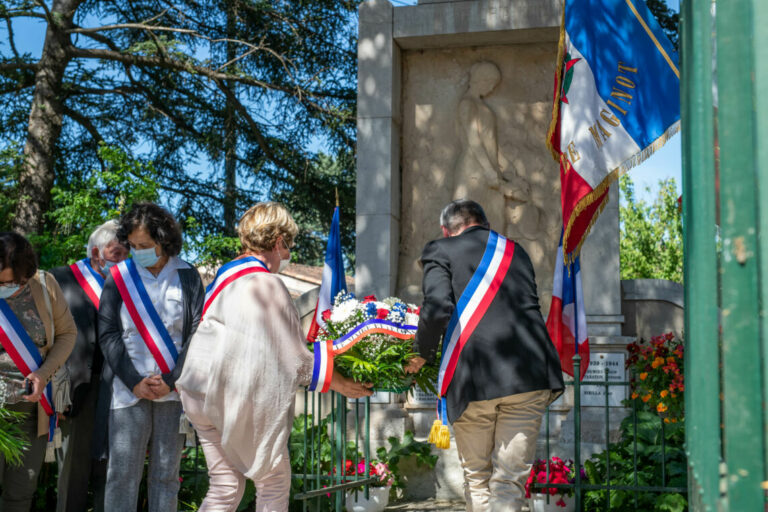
pixel 244 364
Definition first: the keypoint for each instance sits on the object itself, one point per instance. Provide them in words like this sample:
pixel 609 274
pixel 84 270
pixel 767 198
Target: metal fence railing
pixel 611 483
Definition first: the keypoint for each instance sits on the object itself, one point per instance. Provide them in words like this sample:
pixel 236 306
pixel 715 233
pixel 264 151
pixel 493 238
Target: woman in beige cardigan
pixel 243 367
pixel 43 313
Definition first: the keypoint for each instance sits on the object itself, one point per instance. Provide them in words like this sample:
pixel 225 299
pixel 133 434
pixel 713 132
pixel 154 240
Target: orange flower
pixel 634 395
pixel 643 375
pixel 657 362
pixel 670 360
pixel 667 420
pixel 674 420
pixel 661 407
pixel 646 397
pixel 664 393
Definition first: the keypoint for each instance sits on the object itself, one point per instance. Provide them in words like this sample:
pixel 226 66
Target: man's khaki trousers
pixel 496 441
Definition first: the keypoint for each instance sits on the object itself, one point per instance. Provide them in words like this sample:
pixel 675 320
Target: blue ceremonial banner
pixel 617 100
pixel 334 280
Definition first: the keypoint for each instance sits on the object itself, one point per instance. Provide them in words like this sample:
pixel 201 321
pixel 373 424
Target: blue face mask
pixel 145 257
pixel 7 291
pixel 108 265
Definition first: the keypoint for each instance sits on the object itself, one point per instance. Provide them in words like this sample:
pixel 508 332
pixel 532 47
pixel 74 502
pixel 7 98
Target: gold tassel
pixel 434 432
pixel 444 438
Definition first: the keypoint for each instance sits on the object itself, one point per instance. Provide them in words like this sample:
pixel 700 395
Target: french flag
pixel 567 320
pixel 333 278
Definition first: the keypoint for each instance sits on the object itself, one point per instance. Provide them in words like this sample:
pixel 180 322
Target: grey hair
pixel 102 235
pixel 461 213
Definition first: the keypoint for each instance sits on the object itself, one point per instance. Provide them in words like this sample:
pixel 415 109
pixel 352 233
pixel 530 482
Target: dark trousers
pixel 76 466
pixel 19 482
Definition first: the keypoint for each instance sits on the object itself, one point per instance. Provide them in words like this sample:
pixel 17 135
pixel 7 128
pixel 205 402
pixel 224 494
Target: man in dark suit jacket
pixel 506 374
pixel 83 370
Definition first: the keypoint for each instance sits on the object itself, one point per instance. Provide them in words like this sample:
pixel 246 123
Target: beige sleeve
pixel 286 324
pixel 65 331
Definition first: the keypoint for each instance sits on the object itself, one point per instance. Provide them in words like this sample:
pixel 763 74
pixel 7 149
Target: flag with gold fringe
pixel 616 101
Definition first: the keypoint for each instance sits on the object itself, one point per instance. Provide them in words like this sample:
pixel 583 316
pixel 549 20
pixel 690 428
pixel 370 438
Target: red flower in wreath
pixel 381 314
pixel 327 315
pixel 369 298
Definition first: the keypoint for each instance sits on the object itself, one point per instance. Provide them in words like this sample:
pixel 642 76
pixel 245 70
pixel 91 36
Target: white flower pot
pixel 377 501
pixel 538 503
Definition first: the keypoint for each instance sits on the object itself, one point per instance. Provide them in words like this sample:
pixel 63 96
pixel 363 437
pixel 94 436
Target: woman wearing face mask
pixel 244 365
pixel 37 334
pixel 149 308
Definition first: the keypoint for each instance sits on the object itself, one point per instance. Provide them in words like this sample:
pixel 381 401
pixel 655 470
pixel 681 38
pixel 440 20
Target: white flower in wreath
pixel 343 311
pixel 411 319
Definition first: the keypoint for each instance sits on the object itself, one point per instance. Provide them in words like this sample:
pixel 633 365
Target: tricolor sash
pixel 228 273
pixel 373 326
pixel 470 309
pixel 144 315
pixel 322 370
pixel 89 280
pixel 26 356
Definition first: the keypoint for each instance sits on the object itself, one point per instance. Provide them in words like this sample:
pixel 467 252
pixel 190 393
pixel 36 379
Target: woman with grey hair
pixel 78 380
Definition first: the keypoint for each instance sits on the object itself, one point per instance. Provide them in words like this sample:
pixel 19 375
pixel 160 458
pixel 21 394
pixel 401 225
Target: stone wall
pixel 652 307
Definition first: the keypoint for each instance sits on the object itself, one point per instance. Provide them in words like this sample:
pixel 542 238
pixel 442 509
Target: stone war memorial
pixel 454 101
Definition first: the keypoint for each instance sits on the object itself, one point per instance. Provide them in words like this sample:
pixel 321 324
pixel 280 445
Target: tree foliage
pixel 651 243
pixel 225 98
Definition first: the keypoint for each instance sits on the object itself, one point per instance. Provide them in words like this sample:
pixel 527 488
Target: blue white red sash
pixel 144 315
pixel 229 273
pixel 322 371
pixel 26 356
pixel 373 326
pixel 89 280
pixel 472 305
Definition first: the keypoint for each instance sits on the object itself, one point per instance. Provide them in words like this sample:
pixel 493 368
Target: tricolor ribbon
pixel 373 326
pixel 470 309
pixel 144 315
pixel 322 370
pixel 89 280
pixel 228 273
pixel 26 356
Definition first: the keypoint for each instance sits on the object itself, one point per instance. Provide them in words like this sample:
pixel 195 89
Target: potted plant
pixel 378 491
pixel 554 471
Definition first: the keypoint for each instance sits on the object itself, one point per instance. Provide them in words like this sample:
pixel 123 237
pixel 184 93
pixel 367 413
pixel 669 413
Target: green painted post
pixel 702 357
pixel 742 403
pixel 760 49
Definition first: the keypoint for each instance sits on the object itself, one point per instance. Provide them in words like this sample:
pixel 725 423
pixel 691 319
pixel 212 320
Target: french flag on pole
pixel 567 320
pixel 333 277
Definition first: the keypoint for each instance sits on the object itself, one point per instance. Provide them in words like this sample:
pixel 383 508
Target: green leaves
pixel 12 440
pixel 647 471
pixel 651 243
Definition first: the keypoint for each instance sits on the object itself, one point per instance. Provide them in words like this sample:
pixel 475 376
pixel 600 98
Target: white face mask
pixel 284 262
pixel 145 257
pixel 8 290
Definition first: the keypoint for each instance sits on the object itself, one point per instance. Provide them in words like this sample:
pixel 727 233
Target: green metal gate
pixel 726 255
pixel 327 441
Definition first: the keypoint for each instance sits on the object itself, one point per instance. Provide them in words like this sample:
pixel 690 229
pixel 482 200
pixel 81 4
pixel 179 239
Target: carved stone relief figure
pixel 477 167
pixel 514 207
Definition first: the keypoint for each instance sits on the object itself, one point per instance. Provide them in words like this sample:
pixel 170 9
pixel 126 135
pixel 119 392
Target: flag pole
pixel 337 197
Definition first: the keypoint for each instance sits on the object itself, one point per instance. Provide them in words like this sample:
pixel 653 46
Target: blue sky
pixel 665 163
